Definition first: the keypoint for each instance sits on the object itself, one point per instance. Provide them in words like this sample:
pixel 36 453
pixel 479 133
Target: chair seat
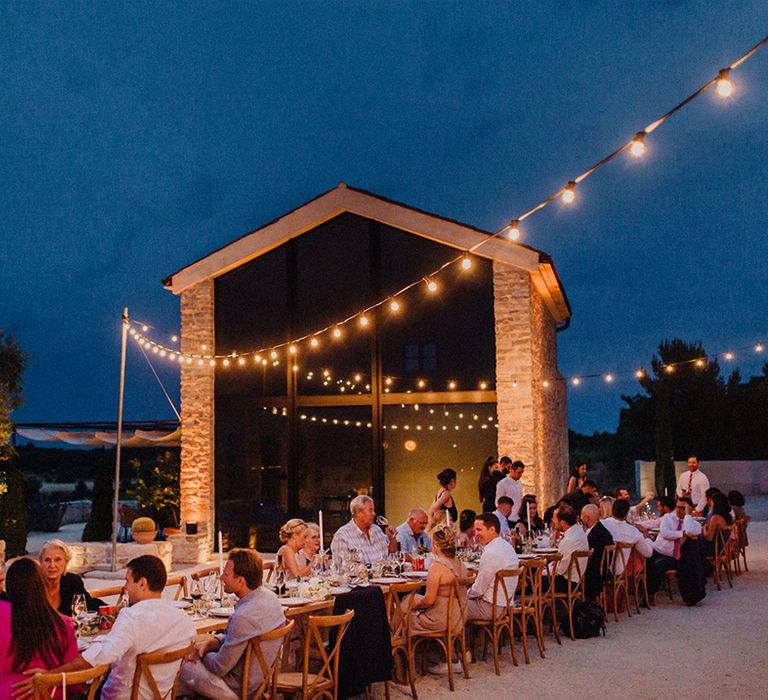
pixel 292 681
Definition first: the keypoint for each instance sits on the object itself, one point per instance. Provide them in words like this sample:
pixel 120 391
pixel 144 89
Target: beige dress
pixel 434 618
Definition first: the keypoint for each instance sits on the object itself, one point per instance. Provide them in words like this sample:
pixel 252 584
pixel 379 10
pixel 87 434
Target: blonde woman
pixel 293 535
pixel 606 507
pixel 61 585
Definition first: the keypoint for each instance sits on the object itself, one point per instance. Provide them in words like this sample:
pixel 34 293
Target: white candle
pixel 448 518
pixel 320 524
pixel 665 491
pixel 221 555
pixel 528 509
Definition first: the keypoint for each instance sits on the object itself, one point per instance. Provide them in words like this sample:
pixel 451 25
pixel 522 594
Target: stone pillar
pixel 531 416
pixel 197 409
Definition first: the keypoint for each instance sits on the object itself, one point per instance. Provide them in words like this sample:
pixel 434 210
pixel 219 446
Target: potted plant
pixel 144 530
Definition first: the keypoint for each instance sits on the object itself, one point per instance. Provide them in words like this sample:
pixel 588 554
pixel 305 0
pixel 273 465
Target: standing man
pixel 512 487
pixel 411 536
pixel 497 554
pixel 360 534
pixel 693 484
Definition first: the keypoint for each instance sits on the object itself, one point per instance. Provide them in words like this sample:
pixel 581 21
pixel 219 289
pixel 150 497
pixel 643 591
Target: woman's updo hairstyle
pixel 293 526
pixel 445 538
pixel 446 476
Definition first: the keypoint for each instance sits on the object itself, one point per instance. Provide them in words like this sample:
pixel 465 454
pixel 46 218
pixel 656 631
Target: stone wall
pixel 92 555
pixel 197 409
pixel 532 421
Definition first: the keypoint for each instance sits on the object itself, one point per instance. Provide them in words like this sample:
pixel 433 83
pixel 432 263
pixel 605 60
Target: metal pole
pixel 115 507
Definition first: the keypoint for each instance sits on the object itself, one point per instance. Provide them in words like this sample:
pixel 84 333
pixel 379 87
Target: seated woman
pixel 294 534
pixel 529 503
pixel 720 518
pixel 430 611
pixel 466 537
pixel 60 584
pixel 310 552
pixel 737 501
pixel 32 634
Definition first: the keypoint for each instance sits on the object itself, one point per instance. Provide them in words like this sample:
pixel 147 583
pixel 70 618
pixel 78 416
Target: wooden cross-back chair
pixel 637 577
pixel 44 685
pixel 614 568
pixel 548 605
pixel 722 559
pixel 144 663
pixel 401 596
pixel 447 639
pixel 180 581
pixel 493 630
pixel 575 588
pixel 326 681
pixel 528 605
pixel 742 541
pixel 269 671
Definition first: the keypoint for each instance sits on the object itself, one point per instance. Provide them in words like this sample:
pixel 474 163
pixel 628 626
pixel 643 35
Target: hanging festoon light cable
pixel 636 145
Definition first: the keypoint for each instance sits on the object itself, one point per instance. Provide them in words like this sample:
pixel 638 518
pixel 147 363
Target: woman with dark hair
pixel 529 503
pixel 466 537
pixel 491 474
pixel 737 501
pixel 444 499
pixel 720 518
pixel 32 633
pixel 577 477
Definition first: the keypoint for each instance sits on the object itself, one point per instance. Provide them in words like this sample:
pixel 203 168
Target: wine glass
pixel 79 611
pixel 196 593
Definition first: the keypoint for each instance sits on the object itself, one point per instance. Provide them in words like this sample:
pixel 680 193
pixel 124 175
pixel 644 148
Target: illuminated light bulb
pixel 431 285
pixel 292 349
pixel 639 374
pixel 421 384
pixel 295 368
pixel 638 144
pixel 483 385
pixel 575 381
pixel 367 387
pixel 669 369
pixel 203 347
pixel 451 385
pixel 388 381
pixel 699 362
pixel 241 361
pixel 155 349
pixel 174 338
pixel 406 427
pixel 201 362
pixel 180 358
pixel 276 363
pixel 264 363
pixel 394 305
pixel 132 331
pixel 514 383
pixel 728 356
pixel 431 427
pixel 343 389
pixel 145 328
pixel 363 320
pixel 314 342
pixel 466 261
pixel 337 332
pixel 225 362
pixel 758 347
pixel 386 390
pixel 273 354
pixel 569 194
pixel 513 230
pixel 609 378
pixel 189 360
pixel 358 377
pixel 212 362
pixel 257 359
pixel 163 353
pixel 724 84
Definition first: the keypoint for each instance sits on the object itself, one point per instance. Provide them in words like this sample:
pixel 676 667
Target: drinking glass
pixel 196 593
pixel 79 611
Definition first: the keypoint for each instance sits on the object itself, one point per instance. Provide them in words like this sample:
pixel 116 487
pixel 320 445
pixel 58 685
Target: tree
pixel 99 525
pixel 159 492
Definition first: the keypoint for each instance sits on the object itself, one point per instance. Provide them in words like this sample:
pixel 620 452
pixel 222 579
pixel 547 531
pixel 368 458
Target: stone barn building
pixel 293 402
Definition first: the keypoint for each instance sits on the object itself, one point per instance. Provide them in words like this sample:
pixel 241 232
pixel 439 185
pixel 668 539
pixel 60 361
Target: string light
pixel 669 369
pixel 569 193
pixel 451 385
pixel 394 305
pixel 609 377
pixel 699 362
pixel 483 386
pixel 639 374
pixel 337 332
pixel 292 349
pixel 363 320
pixel 759 347
pixel 431 285
pixel 466 262
pixel 724 84
pixel 174 338
pixel 314 342
pixel 728 355
pixel 513 230
pixel 273 355
pixel 638 144
pixel 575 381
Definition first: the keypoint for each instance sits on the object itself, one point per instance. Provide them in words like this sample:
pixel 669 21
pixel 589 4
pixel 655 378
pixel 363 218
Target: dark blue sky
pixel 138 137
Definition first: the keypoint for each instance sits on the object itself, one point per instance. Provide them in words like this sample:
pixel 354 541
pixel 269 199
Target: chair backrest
pixel 578 565
pixel 181 582
pixel 621 560
pixel 202 573
pixel 314 647
pixel 269 671
pixel 106 592
pixel 722 538
pixel 44 684
pixel 269 569
pixel 504 592
pixel 398 596
pixel 741 531
pixel 607 560
pixel 530 593
pixel 158 658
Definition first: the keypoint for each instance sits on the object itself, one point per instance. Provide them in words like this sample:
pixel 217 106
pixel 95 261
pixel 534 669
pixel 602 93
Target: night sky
pixel 138 137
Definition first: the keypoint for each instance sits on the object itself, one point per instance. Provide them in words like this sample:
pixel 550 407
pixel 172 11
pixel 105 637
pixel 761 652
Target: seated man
pixel 361 534
pixel 498 554
pixel 586 493
pixel 623 532
pixel 597 538
pixel 666 505
pixel 217 669
pixel 503 512
pixel 574 539
pixel 634 511
pixel 149 624
pixel 675 527
pixel 411 536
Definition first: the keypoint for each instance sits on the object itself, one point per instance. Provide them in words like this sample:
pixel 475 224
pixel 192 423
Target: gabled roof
pixel 349 199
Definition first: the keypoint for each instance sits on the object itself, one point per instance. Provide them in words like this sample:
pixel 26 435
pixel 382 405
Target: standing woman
pixel 293 535
pixel 577 478
pixel 32 633
pixel 491 474
pixel 444 499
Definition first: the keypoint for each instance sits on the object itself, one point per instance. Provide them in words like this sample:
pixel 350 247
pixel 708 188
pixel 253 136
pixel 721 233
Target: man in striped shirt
pixel 362 535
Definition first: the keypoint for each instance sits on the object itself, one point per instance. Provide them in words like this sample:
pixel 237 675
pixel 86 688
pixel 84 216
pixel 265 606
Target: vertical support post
pixel 290 379
pixel 115 506
pixel 377 433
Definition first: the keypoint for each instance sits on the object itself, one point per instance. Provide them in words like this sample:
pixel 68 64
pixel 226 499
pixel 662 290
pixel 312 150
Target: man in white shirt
pixel 361 534
pixel 634 511
pixel 623 532
pixel 693 484
pixel 411 536
pixel 512 487
pixel 504 513
pixel 150 624
pixel 574 539
pixel 497 554
pixel 217 669
pixel 675 528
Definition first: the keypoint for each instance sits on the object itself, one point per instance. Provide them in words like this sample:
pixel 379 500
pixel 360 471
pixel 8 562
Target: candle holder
pixel 191 528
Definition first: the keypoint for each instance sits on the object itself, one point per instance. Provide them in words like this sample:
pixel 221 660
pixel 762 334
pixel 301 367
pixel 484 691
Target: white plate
pixel 83 644
pixel 384 580
pixel 293 602
pixel 182 604
pixel 546 550
pixel 338 590
pixel 416 574
pixel 221 612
